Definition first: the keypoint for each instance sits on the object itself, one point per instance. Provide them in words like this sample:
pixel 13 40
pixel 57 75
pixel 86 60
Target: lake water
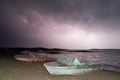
pixel 109 58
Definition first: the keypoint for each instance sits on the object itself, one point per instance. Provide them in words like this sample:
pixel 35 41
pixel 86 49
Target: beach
pixel 11 69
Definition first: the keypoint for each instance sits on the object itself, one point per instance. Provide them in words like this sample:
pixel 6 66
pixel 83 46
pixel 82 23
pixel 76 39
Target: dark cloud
pixel 34 20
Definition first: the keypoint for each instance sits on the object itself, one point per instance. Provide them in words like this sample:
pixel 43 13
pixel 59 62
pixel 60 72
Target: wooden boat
pixel 33 57
pixel 70 66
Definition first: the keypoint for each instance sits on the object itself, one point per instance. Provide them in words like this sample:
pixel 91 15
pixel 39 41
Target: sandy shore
pixel 11 69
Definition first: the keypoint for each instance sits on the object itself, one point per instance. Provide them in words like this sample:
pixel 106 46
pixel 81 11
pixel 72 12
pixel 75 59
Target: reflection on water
pixel 110 59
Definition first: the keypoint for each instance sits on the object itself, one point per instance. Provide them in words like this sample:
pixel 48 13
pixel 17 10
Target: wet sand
pixel 11 69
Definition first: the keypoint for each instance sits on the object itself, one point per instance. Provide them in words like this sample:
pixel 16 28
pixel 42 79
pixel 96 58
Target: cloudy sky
pixel 71 24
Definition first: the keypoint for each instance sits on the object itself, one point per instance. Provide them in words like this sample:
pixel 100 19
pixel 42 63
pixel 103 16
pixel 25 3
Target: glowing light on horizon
pixel 52 32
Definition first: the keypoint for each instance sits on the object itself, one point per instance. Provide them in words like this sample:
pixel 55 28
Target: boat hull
pixel 54 69
pixel 33 59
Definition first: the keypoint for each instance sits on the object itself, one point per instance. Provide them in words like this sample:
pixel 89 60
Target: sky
pixel 69 24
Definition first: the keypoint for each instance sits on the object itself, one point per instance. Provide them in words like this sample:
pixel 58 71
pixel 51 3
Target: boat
pixel 33 57
pixel 70 66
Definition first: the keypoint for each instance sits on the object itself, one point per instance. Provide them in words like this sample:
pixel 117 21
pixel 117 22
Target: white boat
pixel 70 66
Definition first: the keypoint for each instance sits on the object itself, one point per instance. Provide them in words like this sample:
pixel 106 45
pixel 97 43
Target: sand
pixel 11 69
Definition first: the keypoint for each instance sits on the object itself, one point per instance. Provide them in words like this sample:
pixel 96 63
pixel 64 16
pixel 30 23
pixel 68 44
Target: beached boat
pixel 33 57
pixel 70 66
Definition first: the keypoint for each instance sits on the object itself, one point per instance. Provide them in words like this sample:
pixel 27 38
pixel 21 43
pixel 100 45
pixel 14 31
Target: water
pixel 109 58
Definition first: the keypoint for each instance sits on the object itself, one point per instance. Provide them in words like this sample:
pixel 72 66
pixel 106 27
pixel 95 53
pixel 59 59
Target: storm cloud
pixel 72 24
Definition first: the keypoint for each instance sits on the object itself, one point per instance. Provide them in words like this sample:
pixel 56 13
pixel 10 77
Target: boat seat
pixel 71 61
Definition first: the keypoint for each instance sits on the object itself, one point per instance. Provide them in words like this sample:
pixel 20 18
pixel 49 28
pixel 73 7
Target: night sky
pixel 71 24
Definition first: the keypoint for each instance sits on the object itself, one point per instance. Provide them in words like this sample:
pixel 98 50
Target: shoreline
pixel 11 69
